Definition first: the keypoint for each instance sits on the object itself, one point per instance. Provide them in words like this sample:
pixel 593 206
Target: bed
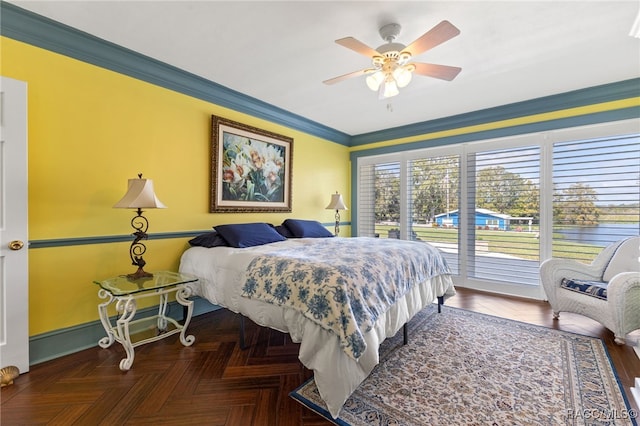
pixel 338 297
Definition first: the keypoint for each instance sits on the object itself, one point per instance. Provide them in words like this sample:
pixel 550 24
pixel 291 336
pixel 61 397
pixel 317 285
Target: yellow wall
pixel 90 130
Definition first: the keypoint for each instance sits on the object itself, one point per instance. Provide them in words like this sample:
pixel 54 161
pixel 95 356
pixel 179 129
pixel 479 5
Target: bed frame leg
pixel 405 327
pixel 243 346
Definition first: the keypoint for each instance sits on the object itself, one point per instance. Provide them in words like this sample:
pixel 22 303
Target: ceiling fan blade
pixel 346 76
pixel 357 46
pixel 443 72
pixel 442 32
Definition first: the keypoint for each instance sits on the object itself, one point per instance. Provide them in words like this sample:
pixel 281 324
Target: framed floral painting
pixel 250 168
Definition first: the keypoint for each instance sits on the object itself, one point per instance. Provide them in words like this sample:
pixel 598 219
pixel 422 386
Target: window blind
pixel 596 194
pixel 433 197
pixel 379 200
pixel 502 214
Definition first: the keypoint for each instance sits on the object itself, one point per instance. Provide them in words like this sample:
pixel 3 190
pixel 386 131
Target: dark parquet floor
pixel 214 382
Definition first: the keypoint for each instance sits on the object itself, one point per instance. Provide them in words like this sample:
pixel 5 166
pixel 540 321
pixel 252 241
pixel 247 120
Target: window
pixel 496 209
pixel 379 200
pixel 433 193
pixel 596 194
pixel 503 189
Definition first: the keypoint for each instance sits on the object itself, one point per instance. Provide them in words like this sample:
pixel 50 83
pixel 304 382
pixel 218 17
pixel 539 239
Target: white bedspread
pixel 222 273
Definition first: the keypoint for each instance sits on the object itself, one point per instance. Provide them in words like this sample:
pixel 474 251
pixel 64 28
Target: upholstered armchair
pixel 607 290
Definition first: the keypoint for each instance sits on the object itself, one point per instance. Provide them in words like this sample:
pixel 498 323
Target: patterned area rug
pixel 462 367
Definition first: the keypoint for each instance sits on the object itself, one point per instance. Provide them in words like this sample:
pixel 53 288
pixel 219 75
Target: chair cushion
pixel 590 288
pixel 625 259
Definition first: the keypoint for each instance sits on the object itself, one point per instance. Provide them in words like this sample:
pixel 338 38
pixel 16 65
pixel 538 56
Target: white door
pixel 14 276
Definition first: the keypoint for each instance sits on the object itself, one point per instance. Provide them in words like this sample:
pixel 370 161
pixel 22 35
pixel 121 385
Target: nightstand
pixel 125 293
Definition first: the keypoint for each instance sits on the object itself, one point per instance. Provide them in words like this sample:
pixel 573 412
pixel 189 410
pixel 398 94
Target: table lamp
pixel 336 204
pixel 140 195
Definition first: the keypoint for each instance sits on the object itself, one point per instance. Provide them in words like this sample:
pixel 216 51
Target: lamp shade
pixel 375 80
pixel 140 194
pixel 388 89
pixel 336 203
pixel 402 76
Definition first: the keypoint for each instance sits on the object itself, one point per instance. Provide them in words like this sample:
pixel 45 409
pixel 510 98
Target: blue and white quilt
pixel 343 284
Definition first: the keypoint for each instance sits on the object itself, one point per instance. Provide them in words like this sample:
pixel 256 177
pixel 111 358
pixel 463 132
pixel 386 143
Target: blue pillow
pixel 284 231
pixel 306 228
pixel 209 239
pixel 249 234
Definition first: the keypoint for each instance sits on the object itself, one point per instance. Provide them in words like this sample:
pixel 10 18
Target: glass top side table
pixel 121 285
pixel 125 293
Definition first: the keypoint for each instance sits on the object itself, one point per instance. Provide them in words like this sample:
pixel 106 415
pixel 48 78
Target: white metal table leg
pixel 107 341
pixel 182 297
pixel 128 308
pixel 162 312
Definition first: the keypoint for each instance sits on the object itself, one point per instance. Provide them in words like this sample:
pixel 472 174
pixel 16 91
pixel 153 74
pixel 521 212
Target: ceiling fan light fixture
pixel 402 75
pixel 391 68
pixel 389 89
pixel 374 80
pixel 404 57
pixel 377 61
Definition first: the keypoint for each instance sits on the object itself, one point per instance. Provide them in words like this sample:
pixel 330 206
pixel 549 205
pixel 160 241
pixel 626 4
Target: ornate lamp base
pixel 140 273
pixel 137 249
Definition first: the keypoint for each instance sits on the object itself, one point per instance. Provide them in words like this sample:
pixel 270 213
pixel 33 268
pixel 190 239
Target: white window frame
pixel 543 140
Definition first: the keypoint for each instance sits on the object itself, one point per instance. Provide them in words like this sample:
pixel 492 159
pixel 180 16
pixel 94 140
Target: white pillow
pixel 625 259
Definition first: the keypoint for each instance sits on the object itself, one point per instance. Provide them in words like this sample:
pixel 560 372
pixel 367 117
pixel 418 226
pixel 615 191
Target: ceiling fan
pixel 391 66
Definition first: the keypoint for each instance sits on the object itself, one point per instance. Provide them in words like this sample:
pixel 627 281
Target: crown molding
pixel 541 126
pixel 593 95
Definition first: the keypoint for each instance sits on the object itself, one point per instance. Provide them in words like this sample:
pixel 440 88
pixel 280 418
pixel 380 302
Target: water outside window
pixel 596 198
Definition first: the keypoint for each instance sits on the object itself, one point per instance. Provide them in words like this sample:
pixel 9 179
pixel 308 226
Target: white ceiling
pixel 280 52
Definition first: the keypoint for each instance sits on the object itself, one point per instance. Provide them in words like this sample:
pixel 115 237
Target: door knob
pixel 16 245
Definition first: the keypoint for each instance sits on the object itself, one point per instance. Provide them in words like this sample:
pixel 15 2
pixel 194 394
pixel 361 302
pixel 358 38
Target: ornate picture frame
pixel 250 169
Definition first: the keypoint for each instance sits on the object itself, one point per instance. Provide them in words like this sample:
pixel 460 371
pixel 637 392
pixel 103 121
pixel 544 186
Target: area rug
pixel 466 368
